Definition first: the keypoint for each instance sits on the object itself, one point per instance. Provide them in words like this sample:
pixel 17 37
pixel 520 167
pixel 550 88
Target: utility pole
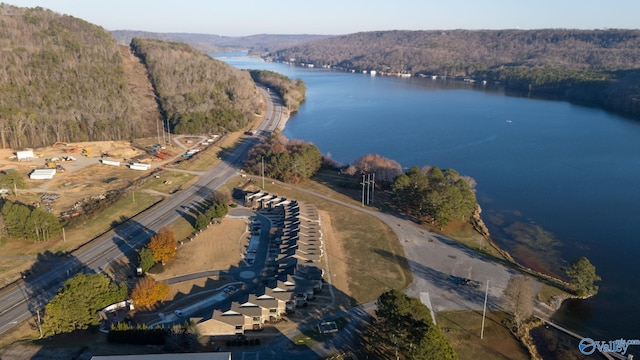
pixel 362 197
pixel 484 310
pixel 368 187
pixel 169 132
pixel 158 130
pixel 373 187
pixel 39 326
pixel 370 182
pixel 164 141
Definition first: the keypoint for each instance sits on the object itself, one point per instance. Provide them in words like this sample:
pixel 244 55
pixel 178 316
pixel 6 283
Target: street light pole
pixel 484 310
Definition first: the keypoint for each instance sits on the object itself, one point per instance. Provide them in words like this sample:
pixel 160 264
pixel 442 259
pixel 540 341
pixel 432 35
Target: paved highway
pixel 21 302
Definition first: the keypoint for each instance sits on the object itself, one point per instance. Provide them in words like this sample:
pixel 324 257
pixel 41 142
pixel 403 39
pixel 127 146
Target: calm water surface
pixel 556 181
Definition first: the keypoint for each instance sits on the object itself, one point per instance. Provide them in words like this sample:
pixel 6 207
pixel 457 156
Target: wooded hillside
pixel 64 79
pixel 291 91
pixel 464 52
pixel 594 67
pixel 61 79
pixel 197 93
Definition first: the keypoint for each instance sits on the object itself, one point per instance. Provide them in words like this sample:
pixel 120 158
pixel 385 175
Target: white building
pixel 26 155
pixel 42 174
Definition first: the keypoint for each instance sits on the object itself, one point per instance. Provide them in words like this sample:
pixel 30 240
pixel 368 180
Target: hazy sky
pixel 248 17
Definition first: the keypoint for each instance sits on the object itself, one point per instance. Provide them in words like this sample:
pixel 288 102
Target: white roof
pixel 25 154
pixel 44 172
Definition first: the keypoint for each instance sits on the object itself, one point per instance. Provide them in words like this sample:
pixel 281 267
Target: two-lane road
pixel 20 302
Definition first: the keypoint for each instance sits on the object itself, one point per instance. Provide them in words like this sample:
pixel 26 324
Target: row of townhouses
pixel 293 271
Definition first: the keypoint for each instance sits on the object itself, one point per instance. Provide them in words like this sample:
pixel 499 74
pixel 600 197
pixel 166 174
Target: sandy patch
pixel 219 247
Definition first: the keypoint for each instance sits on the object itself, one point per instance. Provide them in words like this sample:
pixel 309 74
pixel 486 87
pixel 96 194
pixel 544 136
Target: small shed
pixel 25 155
pixel 42 174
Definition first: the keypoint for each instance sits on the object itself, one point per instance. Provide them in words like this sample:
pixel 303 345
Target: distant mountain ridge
pixel 208 43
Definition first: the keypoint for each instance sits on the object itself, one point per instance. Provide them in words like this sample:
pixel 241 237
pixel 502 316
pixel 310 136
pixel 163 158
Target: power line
pixel 368 183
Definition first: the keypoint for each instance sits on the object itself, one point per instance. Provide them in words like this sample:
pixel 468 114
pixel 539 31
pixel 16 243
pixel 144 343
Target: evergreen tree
pixel 405 327
pixel 76 304
pixel 202 220
pixel 433 195
pixel 582 276
pixel 145 259
pixel 21 221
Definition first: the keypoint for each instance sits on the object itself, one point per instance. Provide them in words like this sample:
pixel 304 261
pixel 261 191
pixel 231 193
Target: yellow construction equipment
pixel 86 152
pixel 50 164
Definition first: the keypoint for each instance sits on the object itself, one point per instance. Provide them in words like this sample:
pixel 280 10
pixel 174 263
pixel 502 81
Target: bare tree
pixel 519 298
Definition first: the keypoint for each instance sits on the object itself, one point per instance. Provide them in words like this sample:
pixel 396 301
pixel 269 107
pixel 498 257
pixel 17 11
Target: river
pixel 556 181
